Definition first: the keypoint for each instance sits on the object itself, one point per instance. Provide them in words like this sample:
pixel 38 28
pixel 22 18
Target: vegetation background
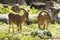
pixel 27 29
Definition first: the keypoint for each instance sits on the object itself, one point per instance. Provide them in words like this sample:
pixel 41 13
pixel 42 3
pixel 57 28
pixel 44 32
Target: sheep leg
pixel 46 25
pixel 9 26
pixel 39 26
pixel 12 28
pixel 9 29
pixel 19 27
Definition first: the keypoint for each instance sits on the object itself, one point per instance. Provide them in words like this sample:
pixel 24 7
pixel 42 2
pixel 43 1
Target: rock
pixel 4 18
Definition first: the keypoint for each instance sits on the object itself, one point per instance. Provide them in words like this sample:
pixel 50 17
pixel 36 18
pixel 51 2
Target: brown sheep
pixel 43 19
pixel 17 19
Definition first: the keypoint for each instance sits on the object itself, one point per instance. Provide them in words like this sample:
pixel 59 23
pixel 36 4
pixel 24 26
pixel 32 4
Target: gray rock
pixel 4 18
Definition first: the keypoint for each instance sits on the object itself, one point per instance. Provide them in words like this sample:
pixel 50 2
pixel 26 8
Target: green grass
pixel 26 30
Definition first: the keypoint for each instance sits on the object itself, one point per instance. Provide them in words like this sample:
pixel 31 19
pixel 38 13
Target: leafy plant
pixel 4 10
pixel 58 1
pixel 34 11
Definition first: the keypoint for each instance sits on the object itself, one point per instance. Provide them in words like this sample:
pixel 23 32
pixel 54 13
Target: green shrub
pixel 4 10
pixel 58 1
pixel 34 11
